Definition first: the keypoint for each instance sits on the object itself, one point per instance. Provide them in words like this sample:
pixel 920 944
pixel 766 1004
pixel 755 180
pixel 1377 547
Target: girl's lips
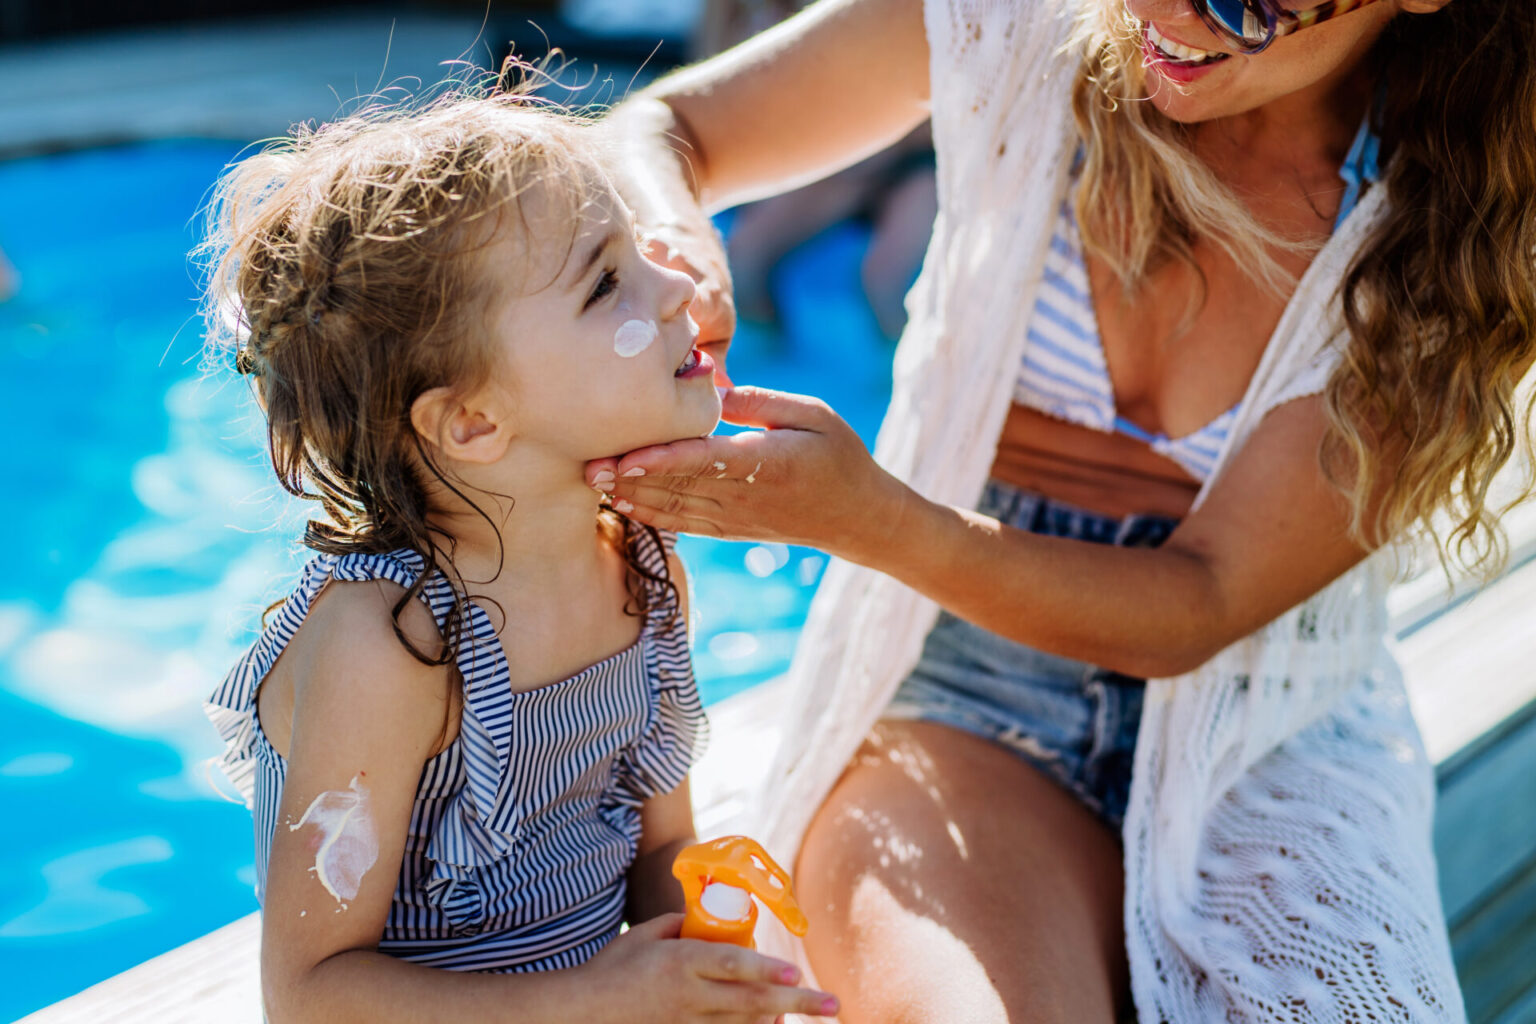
pixel 702 366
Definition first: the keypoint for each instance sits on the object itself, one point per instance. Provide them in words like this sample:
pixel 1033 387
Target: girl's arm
pixel 365 710
pixel 1271 533
pixel 666 827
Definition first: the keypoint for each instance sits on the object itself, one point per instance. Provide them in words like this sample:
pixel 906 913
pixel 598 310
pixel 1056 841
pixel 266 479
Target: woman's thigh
pixel 951 883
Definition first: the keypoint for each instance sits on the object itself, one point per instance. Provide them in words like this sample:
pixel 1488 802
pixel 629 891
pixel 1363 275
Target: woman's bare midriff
pixel 1107 473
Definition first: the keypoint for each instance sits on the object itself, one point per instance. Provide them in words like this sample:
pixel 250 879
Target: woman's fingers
pixel 601 473
pixel 701 254
pixel 730 457
pixel 672 510
pixel 775 410
pixel 701 457
pixel 717 351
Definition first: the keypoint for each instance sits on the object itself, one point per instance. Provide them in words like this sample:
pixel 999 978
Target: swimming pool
pixel 144 548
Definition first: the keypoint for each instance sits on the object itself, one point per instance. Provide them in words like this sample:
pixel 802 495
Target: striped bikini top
pixel 1064 373
pixel 524 828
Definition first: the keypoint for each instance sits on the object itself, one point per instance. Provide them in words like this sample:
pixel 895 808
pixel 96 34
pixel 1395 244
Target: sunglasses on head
pixel 1251 25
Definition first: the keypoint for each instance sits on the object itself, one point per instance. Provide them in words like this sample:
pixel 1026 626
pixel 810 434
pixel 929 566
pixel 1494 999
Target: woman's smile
pixel 1177 61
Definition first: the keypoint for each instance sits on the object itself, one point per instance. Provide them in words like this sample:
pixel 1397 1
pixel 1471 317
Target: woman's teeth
pixel 1178 52
pixel 689 363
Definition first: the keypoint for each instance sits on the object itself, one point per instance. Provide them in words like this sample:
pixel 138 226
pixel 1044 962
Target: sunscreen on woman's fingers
pixel 720 878
pixel 348 844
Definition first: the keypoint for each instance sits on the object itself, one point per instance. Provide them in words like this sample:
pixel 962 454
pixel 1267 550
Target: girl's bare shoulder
pixel 347 656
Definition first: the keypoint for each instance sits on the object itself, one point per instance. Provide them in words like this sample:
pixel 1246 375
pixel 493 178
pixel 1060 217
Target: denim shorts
pixel 1074 721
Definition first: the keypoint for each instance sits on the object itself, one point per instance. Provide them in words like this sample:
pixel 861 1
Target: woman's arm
pixel 818 92
pixel 1271 533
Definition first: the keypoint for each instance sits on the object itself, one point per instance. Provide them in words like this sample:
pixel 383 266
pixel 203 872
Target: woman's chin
pixel 1194 102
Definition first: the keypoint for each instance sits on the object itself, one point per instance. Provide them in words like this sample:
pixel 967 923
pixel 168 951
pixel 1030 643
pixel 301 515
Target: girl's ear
pixel 464 428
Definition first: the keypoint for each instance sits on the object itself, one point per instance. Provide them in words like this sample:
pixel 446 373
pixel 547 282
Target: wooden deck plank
pixel 1495 949
pixel 210 980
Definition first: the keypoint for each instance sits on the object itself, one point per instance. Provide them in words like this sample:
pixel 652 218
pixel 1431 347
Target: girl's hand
pixel 649 974
pixel 698 251
pixel 804 479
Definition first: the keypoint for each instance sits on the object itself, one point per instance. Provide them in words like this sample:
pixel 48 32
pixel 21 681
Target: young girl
pixel 466 734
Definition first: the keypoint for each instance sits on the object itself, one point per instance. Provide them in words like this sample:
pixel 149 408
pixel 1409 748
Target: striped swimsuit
pixel 1064 373
pixel 524 827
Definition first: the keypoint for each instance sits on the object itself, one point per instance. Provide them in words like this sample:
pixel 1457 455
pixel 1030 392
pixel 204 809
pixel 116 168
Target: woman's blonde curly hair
pixel 1440 303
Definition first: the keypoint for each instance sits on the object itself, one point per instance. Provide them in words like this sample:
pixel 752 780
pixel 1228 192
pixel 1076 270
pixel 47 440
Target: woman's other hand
pixel 805 478
pixel 649 974
pixel 697 249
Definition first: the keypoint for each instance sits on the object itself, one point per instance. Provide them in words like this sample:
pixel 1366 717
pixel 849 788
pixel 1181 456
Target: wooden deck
pixel 1471 667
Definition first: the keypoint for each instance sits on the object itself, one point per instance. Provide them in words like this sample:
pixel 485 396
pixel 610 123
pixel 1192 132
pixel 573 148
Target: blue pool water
pixel 143 546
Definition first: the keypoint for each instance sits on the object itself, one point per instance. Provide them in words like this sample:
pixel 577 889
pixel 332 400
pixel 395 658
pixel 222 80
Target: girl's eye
pixel 605 284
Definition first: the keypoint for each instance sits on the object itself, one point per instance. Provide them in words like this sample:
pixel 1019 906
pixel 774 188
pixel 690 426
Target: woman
pixel 1239 292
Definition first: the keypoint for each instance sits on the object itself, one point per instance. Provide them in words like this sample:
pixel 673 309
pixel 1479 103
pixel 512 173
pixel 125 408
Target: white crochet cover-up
pixel 1278 851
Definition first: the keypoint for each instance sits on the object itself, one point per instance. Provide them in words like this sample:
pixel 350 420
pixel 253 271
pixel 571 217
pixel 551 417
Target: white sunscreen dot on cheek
pixel 726 902
pixel 348 844
pixel 634 337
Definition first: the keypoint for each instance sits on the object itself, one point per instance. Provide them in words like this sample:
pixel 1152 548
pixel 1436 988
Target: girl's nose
pixel 678 291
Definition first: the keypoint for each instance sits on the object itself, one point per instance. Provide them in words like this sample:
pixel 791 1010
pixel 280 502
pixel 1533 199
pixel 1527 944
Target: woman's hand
pixel 806 478
pixel 649 974
pixel 699 251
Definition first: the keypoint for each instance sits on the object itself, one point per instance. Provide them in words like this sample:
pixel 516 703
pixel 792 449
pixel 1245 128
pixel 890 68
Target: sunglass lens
pixel 1244 20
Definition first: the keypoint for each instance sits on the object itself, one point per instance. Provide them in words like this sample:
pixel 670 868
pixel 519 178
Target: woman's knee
pixel 949 882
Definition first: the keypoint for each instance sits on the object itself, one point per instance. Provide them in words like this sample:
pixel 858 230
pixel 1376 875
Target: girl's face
pixel 598 358
pixel 1311 62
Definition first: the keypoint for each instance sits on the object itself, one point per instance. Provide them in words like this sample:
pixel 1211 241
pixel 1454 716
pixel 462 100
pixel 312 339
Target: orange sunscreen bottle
pixel 720 878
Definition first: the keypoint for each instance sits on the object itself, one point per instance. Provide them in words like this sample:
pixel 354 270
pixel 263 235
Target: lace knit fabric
pixel 1278 852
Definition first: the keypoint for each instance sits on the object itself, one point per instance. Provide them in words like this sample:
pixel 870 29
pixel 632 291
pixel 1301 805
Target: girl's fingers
pixel 751 1000
pixel 662 926
pixel 752 986
pixel 725 962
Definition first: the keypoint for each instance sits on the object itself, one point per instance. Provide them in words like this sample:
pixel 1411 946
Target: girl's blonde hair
pixel 346 278
pixel 1440 304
